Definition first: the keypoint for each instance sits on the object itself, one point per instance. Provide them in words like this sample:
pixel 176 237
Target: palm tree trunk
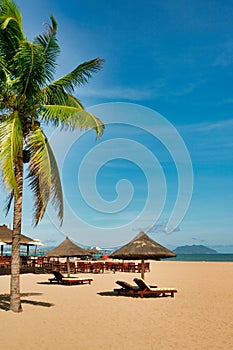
pixel 15 303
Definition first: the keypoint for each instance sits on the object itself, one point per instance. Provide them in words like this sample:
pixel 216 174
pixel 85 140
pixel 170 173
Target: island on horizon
pixel 194 249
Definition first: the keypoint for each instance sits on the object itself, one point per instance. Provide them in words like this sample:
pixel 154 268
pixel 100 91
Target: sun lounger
pixel 59 278
pixel 145 289
pixel 127 288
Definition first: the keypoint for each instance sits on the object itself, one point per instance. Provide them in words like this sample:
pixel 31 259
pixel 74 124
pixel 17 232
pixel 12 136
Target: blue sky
pixel 168 71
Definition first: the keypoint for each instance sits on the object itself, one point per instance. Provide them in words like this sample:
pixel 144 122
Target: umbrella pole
pixel 143 270
pixel 1 250
pixel 68 266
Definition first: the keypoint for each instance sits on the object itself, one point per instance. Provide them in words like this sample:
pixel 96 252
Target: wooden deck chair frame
pixel 146 290
pixel 59 278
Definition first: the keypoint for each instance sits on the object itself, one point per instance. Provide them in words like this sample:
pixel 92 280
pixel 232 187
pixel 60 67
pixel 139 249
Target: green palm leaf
pixel 11 17
pixel 3 75
pixel 39 172
pixel 48 42
pixel 28 96
pixel 11 28
pixel 29 66
pixel 10 146
pixel 2 63
pixel 43 176
pixel 79 76
pixel 56 188
pixel 72 117
pixel 25 69
pixel 55 95
pixel 8 203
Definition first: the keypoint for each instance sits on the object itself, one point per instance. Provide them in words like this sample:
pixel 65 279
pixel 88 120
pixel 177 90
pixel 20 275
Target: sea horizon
pixel 218 257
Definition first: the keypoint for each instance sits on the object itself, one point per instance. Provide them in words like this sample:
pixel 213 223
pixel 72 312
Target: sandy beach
pixel 200 316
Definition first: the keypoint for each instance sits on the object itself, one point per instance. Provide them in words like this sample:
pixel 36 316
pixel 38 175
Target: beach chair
pixel 145 289
pixel 126 288
pixel 59 278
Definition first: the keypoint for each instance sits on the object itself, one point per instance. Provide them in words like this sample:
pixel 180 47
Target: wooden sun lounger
pixel 145 289
pixel 126 289
pixel 59 278
pixel 74 280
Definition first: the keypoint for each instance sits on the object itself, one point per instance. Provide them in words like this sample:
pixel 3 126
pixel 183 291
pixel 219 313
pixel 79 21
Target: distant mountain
pixel 194 249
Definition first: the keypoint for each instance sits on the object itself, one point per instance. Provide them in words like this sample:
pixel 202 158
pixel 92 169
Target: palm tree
pixel 30 97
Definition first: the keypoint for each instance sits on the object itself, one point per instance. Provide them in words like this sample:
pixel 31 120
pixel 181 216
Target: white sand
pixel 200 316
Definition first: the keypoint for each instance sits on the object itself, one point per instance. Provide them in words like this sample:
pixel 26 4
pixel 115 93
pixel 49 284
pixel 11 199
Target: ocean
pixel 204 257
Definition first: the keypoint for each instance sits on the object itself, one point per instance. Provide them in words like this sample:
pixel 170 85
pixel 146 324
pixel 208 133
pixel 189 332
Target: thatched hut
pixel 142 247
pixel 6 237
pixel 66 250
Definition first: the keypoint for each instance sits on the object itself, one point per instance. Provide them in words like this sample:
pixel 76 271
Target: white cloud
pixel 133 94
pixel 207 126
pixel 187 88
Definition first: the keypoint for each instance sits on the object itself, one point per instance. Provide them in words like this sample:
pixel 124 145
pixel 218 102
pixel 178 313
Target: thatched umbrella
pixel 66 250
pixel 6 237
pixel 142 248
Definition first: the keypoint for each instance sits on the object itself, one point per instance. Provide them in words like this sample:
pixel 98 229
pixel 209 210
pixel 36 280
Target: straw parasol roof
pixel 6 236
pixel 37 242
pixel 142 247
pixel 67 249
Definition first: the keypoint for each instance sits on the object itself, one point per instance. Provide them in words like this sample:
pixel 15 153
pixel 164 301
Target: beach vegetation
pixel 30 99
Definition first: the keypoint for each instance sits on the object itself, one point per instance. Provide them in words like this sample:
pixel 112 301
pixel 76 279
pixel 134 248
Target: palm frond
pixel 55 95
pixel 29 66
pixel 10 145
pixel 71 117
pixel 56 188
pixel 8 203
pixel 10 16
pixel 39 173
pixel 2 63
pixel 43 176
pixel 11 30
pixel 79 76
pixel 48 42
pixel 73 101
pixel 27 96
pixel 3 73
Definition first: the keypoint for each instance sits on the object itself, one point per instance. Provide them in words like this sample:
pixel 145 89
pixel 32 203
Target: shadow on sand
pixel 109 294
pixel 115 294
pixel 125 294
pixel 5 301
